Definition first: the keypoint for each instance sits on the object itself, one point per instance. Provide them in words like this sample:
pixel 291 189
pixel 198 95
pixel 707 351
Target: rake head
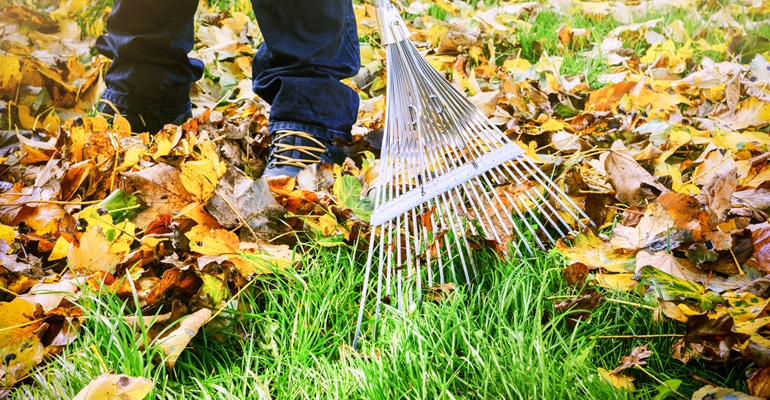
pixel 449 179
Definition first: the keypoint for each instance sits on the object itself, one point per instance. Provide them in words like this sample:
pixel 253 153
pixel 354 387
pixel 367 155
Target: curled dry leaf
pixel 173 344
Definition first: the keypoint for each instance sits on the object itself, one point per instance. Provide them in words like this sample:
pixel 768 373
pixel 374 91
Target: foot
pixel 293 151
pixel 138 122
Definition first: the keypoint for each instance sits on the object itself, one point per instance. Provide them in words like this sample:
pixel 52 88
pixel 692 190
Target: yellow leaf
pixel 120 236
pixel 617 281
pixel 7 233
pixel 676 139
pixel 10 73
pixel 200 178
pixel 552 125
pixel 437 33
pixel 60 249
pixel 173 344
pixel 619 381
pixel 131 158
pixel 112 386
pixel 52 122
pixel 121 125
pixel 93 253
pixel 25 117
pixel 212 242
pixel 19 320
pixel 675 174
pixel 591 250
pixel 531 151
pixel 326 224
pixel 163 148
pixel 516 66
pixel 746 140
pixel 99 124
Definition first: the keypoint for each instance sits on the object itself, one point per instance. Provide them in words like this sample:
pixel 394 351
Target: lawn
pixel 652 116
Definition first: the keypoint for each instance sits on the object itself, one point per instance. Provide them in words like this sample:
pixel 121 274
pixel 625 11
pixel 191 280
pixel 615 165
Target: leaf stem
pixel 660 335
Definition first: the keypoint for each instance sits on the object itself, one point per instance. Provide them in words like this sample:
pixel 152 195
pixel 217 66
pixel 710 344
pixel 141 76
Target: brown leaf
pixel 709 392
pixel 579 308
pixel 631 182
pixel 174 284
pixel 576 274
pixel 759 383
pixel 440 292
pixel 75 176
pixel 688 214
pixel 716 194
pixel 637 356
pixel 161 188
pixel 758 354
pixel 708 338
pixel 761 239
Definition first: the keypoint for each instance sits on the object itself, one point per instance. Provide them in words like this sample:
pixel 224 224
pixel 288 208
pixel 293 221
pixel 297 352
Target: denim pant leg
pixel 148 42
pixel 310 45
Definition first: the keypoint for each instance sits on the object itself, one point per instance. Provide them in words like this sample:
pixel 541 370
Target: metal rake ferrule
pixel 389 23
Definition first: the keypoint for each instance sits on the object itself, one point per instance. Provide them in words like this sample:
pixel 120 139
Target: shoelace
pixel 310 151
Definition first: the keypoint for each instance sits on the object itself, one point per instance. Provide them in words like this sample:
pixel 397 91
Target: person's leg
pixel 309 47
pixel 150 76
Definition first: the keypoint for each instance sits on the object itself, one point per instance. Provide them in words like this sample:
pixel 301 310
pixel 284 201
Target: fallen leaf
pixel 622 382
pixel 92 253
pixel 19 341
pixel 240 200
pixel 348 191
pixel 115 386
pixel 708 338
pixel 669 287
pixel 590 250
pixel 637 356
pixel 631 182
pixel 709 392
pixel 176 341
pixel 759 383
pixel 161 188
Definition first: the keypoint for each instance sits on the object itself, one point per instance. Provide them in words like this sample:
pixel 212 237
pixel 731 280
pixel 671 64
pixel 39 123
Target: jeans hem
pixel 315 130
pixel 137 107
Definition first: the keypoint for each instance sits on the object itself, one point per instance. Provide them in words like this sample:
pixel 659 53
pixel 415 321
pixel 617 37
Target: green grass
pixel 289 334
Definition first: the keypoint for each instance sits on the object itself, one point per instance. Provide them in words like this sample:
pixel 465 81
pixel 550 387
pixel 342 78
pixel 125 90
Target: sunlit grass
pixel 288 336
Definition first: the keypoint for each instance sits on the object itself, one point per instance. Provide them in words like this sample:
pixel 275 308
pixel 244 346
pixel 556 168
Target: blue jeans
pixel 310 45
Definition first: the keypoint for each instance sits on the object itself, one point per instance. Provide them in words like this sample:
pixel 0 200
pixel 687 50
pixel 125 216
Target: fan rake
pixel 449 180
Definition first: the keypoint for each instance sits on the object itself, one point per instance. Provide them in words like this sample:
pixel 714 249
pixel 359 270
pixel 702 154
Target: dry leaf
pixel 115 386
pixel 630 181
pixel 176 341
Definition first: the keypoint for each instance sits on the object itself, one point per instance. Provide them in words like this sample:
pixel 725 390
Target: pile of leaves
pixel 665 149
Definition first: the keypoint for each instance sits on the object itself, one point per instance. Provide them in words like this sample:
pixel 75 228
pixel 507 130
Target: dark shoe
pixel 138 122
pixel 293 151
